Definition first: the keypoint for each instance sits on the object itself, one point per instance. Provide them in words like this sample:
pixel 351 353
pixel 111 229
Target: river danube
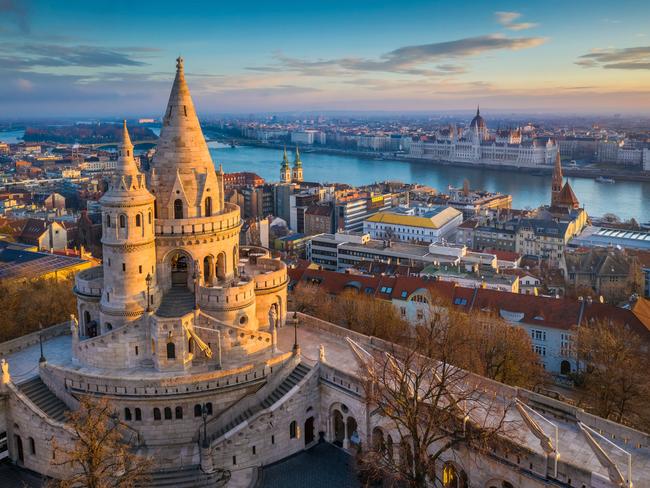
pixel 626 199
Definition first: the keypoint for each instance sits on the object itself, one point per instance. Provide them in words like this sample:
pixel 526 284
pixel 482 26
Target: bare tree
pixel 102 454
pixel 613 378
pixel 432 406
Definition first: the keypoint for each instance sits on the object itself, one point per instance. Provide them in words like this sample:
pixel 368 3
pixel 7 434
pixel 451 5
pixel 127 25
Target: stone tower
pixel 296 172
pixel 285 169
pixel 128 242
pixel 557 180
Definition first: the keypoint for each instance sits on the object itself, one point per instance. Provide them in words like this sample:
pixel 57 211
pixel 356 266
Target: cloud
pixel 507 20
pixel 29 56
pixel 410 60
pixel 630 58
pixel 14 12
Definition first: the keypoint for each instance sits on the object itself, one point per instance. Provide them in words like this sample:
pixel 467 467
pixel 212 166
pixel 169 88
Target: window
pixel 538 335
pixel 156 414
pixel 127 414
pixel 208 407
pixel 208 206
pixel 138 221
pixel 108 220
pixel 254 451
pixel 138 414
pixel 293 428
pixel 197 410
pixel 171 350
pixel 149 216
pixel 179 412
pixel 123 266
pixel 122 221
pixel 178 208
pixel 540 350
pixel 140 269
pixel 32 446
pixel 168 413
pixel 272 439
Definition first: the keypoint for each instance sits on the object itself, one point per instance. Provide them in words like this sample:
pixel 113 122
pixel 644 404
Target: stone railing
pixel 89 281
pixel 164 385
pixel 23 342
pixel 229 219
pixel 223 297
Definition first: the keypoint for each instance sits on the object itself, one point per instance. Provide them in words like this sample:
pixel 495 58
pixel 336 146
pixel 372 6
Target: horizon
pixel 431 58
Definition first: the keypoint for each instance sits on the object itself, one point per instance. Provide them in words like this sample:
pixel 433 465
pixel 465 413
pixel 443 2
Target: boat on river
pixel 602 179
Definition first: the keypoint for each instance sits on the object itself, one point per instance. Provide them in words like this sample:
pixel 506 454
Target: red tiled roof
pixel 504 255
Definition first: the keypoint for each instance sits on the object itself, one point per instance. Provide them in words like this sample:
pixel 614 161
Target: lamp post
pixel 40 342
pixel 204 414
pixel 296 347
pixel 148 279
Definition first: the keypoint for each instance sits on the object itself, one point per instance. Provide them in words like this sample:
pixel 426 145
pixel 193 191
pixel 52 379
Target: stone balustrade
pixel 147 385
pixel 236 294
pixel 89 281
pixel 229 219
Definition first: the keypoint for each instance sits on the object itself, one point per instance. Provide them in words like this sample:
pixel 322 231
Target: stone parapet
pixel 89 282
pixel 23 342
pixel 229 219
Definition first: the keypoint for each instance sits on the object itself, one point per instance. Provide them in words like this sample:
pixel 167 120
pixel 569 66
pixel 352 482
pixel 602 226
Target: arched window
pixel 178 208
pixel 208 206
pixel 208 407
pixel 109 326
pixel 179 412
pixel 197 410
pixel 138 414
pixel 171 350
pixel 155 209
pixel 108 220
pixel 453 478
pixel 127 414
pixel 149 216
pixel 32 446
pixel 138 220
pixel 156 414
pixel 293 430
pixel 190 345
pixel 168 413
pixel 565 367
pixel 122 221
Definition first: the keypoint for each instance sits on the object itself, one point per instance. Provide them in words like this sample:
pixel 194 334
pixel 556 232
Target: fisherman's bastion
pixel 188 335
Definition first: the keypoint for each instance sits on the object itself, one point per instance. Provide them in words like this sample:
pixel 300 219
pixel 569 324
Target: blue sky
pixel 83 58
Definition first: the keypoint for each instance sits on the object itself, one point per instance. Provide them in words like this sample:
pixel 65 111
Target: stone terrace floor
pixel 322 466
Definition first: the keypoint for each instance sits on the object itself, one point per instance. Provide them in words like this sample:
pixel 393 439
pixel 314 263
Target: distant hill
pixel 86 133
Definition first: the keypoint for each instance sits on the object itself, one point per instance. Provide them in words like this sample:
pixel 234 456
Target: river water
pixel 626 199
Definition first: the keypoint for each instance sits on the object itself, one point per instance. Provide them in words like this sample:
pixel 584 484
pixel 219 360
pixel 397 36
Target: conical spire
pixel 297 162
pixel 285 159
pixel 478 110
pixel 181 141
pixel 125 162
pixel 557 170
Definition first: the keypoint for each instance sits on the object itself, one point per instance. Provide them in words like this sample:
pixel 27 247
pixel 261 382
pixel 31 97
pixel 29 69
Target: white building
pixel 431 225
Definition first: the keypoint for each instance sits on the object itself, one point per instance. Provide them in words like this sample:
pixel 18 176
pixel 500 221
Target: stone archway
pixel 221 266
pixel 208 270
pixel 338 428
pixel 180 266
pixel 309 431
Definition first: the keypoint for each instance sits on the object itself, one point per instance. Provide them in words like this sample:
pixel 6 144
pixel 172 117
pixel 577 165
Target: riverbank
pixel 587 173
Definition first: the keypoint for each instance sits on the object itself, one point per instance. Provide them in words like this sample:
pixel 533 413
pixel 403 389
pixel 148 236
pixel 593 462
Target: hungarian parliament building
pixel 477 146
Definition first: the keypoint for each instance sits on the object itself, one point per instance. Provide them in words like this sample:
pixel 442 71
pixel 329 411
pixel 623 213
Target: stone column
pixel 346 434
pixel 207 466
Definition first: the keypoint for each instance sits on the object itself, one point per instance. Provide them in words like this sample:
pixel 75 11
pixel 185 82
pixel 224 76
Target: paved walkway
pixel 23 365
pixel 322 466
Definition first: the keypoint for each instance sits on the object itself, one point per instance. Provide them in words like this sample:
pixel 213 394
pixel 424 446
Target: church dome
pixel 478 121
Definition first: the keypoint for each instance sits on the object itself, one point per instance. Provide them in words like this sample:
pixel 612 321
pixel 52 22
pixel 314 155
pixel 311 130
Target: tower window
pixel 208 206
pixel 156 414
pixel 171 350
pixel 178 208
pixel 122 221
pixel 138 220
pixel 168 413
pixel 108 221
pixel 140 269
pixel 149 216
pixel 123 266
pixel 179 412
pixel 138 414
pixel 127 414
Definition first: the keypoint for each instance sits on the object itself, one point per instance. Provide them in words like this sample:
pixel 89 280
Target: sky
pixel 117 58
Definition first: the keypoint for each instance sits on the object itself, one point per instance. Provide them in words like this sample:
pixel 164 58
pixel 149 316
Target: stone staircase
pixel 283 388
pixel 176 302
pixel 43 398
pixel 189 477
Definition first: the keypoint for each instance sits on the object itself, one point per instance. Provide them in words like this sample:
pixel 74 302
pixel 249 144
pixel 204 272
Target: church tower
pixel 296 173
pixel 285 170
pixel 557 180
pixel 127 241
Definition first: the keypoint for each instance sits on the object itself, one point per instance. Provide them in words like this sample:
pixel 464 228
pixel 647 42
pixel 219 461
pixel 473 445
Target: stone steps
pixel 176 302
pixel 283 388
pixel 190 477
pixel 43 398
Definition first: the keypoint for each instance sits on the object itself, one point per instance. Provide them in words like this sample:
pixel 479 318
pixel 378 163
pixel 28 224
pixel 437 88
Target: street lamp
pixel 40 341
pixel 204 414
pixel 148 280
pixel 296 347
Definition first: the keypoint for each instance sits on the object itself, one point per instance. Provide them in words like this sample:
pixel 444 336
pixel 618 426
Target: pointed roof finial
pixel 478 109
pixel 125 162
pixel 179 63
pixel 285 159
pixel 220 169
pixel 297 160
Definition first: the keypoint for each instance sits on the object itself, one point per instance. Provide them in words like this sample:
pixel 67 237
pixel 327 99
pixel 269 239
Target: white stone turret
pixel 129 251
